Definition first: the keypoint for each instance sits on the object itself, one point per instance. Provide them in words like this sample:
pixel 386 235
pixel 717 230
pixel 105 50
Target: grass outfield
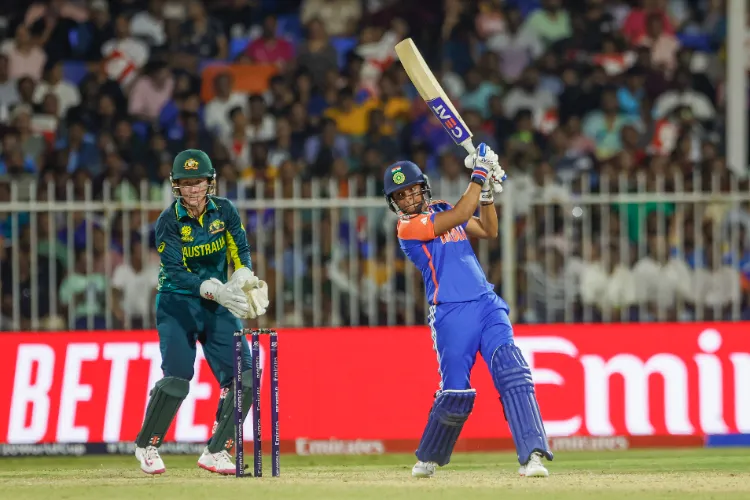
pixel 640 474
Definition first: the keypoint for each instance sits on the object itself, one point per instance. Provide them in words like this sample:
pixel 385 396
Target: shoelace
pixel 225 456
pixel 152 453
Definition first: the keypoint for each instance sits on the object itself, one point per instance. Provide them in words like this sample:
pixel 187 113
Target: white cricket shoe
pixel 151 462
pixel 423 469
pixel 534 467
pixel 220 462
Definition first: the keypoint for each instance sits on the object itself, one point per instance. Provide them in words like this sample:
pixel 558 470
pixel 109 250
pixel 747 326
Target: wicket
pixel 274 389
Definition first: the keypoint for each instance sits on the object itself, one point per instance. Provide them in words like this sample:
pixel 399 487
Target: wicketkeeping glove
pixel 255 290
pixel 229 295
pixel 257 298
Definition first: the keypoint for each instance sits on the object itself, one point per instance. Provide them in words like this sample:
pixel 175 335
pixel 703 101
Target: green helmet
pixel 192 164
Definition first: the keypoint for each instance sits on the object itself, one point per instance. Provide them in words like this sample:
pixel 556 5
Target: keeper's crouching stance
pixel 197 237
pixel 466 316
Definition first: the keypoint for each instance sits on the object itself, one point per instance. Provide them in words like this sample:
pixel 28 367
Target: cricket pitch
pixel 643 474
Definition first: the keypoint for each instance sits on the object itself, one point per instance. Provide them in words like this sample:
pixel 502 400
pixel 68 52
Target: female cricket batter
pixel 197 237
pixel 465 316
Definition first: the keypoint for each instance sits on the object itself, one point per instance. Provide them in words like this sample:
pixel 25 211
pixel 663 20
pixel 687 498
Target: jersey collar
pixel 182 212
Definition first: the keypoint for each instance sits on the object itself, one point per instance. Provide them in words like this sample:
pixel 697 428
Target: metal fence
pixel 629 248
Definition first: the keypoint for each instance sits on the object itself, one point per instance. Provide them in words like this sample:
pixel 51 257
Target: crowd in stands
pixel 578 97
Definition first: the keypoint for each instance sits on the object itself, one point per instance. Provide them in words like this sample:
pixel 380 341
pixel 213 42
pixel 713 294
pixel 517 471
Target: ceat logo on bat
pixel 451 124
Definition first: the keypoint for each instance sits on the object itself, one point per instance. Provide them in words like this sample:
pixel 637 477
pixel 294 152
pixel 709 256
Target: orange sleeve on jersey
pixel 418 228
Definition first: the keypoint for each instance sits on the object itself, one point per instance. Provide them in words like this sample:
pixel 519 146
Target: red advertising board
pixel 355 389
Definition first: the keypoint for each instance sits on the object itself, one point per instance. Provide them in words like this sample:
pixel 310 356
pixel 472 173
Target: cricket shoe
pixel 534 467
pixel 151 462
pixel 423 469
pixel 220 462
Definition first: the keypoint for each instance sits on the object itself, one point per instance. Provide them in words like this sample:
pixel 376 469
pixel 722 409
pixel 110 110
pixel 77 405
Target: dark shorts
pixel 182 321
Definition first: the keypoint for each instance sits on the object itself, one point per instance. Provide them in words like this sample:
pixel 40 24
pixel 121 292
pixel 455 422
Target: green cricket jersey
pixel 193 250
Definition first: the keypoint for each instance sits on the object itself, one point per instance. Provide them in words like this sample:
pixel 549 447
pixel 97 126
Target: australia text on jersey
pixel 204 249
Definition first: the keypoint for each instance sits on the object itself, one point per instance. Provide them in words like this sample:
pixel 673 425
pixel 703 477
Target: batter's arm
pixel 485 226
pixel 461 213
pixel 169 246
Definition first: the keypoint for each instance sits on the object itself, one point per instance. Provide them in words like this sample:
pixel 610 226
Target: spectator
pixel 316 54
pixel 238 142
pixel 28 282
pixel 516 47
pixel 33 145
pixel 322 149
pixel 683 94
pixel 635 25
pixel 478 93
pixel 490 20
pixel 339 17
pixel 51 24
pixel 604 127
pixel 203 36
pixel 151 92
pixel 608 285
pixel 662 281
pixel 25 57
pixel 552 287
pixel 124 55
pixel 8 88
pixel 77 150
pixel 632 93
pixel 217 111
pixel 527 95
pixel 550 23
pixel 97 31
pixel 716 287
pixel 67 94
pixel 350 117
pixel 82 296
pixel 261 125
pixel 134 289
pixel 149 24
pixel 269 48
pixel 664 46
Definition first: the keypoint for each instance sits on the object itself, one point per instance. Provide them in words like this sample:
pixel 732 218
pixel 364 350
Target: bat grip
pixel 468 146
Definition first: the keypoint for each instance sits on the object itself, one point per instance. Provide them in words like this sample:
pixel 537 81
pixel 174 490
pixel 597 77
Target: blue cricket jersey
pixel 450 269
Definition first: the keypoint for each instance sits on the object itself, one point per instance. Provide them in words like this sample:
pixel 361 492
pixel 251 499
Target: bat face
pixel 433 94
pixel 451 123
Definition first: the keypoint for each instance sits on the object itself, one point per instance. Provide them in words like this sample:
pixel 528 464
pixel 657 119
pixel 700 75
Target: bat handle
pixel 468 146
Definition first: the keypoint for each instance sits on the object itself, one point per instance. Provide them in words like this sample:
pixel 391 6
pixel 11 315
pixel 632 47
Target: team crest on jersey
pixel 187 234
pixel 191 164
pixel 216 226
pixel 161 247
pixel 399 177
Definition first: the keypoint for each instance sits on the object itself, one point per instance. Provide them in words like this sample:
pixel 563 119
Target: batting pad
pixel 223 436
pixel 166 398
pixel 512 378
pixel 447 417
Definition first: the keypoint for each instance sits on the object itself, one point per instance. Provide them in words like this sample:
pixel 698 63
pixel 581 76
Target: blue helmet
pixel 400 175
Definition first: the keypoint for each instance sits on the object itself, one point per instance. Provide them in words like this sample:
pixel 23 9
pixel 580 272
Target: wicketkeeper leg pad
pixel 447 417
pixel 166 398
pixel 512 378
pixel 223 435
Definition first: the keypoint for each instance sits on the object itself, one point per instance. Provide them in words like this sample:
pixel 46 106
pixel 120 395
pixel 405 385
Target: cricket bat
pixel 434 96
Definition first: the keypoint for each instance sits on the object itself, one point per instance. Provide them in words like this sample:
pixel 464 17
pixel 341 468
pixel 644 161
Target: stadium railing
pixel 330 254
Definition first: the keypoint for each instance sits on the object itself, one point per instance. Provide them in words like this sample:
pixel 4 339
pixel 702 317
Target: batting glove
pixel 482 161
